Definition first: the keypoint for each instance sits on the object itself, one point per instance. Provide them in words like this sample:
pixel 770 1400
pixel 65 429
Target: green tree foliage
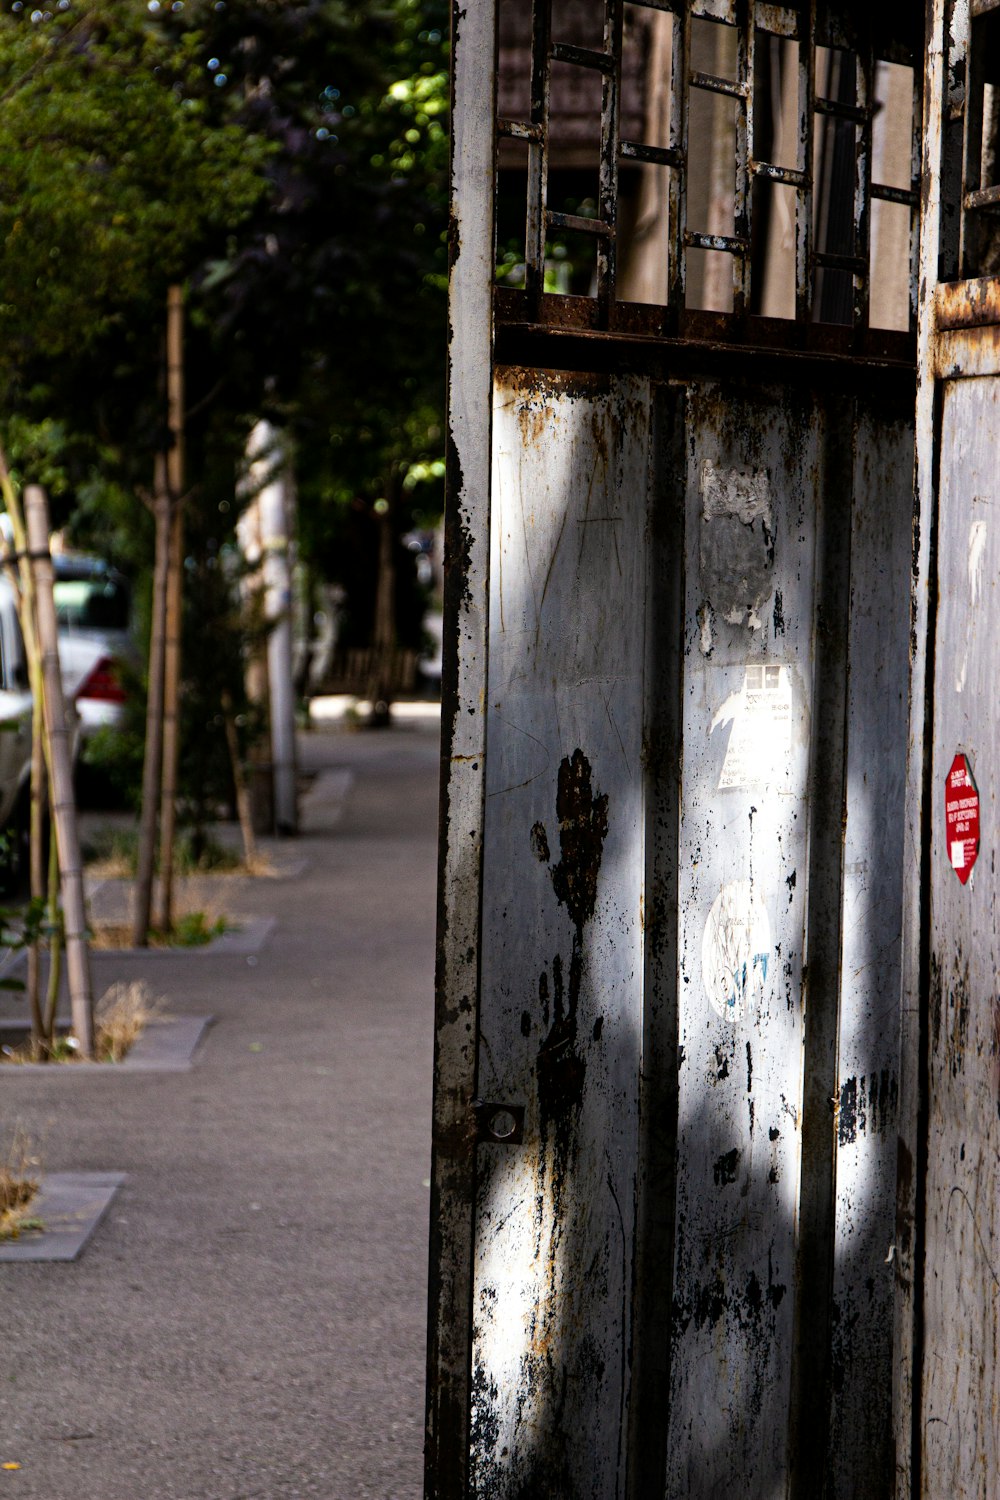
pixel 117 180
pixel 287 160
pixel 334 292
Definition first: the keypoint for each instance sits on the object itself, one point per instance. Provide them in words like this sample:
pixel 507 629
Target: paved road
pixel 249 1319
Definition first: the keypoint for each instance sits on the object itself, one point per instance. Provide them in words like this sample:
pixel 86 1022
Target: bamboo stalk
pixel 58 735
pixel 55 945
pixel 41 1033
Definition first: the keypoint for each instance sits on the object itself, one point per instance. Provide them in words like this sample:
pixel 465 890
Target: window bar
pixel 727 244
pixel 538 155
pixel 987 197
pixel 805 199
pixel 583 57
pixel 734 89
pixel 611 95
pixel 517 130
pixel 787 176
pixel 839 111
pixel 865 94
pixel 657 156
pixel 905 196
pixel 679 110
pixel 743 217
pixel 916 168
pixel 578 224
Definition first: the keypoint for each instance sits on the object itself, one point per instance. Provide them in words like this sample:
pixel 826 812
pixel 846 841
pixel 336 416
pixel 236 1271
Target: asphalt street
pixel 248 1320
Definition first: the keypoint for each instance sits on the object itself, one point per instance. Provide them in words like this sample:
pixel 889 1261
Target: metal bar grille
pixel 818 250
pixel 864 70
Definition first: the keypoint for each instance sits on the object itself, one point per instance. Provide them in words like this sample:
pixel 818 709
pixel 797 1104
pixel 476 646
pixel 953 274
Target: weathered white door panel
pixel 682 1275
pixel 742 879
pixel 561 987
pixel 867 1092
pixel 961 1375
pixel 797 551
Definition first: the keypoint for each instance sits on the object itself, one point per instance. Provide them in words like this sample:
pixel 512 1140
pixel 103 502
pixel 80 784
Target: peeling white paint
pixel 977 553
pixel 731 492
pixel 977 548
pixel 705 623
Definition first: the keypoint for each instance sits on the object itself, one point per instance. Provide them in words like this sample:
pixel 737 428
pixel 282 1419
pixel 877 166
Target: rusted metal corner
pixel 967 304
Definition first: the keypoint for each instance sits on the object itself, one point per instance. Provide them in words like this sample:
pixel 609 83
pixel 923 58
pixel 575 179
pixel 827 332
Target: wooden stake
pixel 174 604
pixel 153 758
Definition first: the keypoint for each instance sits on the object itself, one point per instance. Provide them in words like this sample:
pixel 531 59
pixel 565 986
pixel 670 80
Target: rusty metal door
pixel 950 1204
pixel 668 1024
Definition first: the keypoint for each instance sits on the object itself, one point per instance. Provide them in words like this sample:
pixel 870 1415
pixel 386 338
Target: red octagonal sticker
pixel 961 818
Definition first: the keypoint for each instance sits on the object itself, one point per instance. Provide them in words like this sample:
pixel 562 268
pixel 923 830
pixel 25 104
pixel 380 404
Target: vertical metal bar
pixel 972 173
pixel 538 153
pixel 610 109
pixel 809 1421
pixel 916 153
pixel 658 1100
pixel 679 116
pixel 951 129
pixel 864 96
pixel 743 216
pixel 805 195
pixel 471 242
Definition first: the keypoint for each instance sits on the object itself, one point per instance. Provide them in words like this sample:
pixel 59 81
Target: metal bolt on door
pixel 674 807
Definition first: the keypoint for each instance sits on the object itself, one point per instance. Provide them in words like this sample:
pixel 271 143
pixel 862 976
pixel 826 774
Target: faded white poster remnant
pixel 760 740
pixel 736 950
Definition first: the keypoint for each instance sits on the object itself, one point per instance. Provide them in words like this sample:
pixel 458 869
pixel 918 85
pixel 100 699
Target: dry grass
pixel 121 1016
pixel 113 855
pixel 18 1187
pixel 196 922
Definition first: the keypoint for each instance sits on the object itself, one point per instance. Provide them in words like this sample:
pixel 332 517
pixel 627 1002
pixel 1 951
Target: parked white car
pixel 94 615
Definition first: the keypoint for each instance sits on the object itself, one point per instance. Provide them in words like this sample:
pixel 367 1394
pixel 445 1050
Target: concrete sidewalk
pixel 248 1320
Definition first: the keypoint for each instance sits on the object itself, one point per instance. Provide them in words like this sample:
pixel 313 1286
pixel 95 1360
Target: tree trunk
pixel 153 758
pixel 174 604
pixel 171 717
pixel 243 809
pixel 60 755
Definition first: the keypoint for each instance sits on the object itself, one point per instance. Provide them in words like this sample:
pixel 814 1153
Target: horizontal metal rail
pixel 909 197
pixel 713 85
pixel 582 57
pixel 988 197
pixel 657 156
pixel 577 224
